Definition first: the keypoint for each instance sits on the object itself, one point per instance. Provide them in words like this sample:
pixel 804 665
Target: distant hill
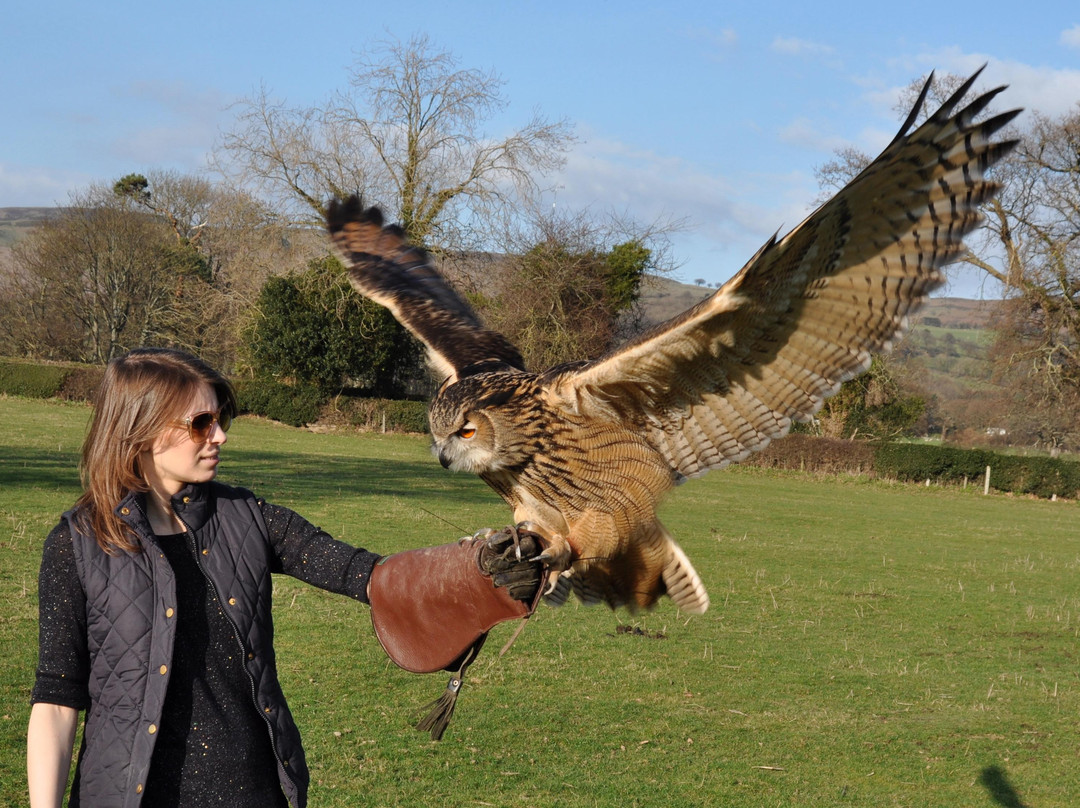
pixel 664 298
pixel 957 312
pixel 944 355
pixel 17 216
pixel 17 222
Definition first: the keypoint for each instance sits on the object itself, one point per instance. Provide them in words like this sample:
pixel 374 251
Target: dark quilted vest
pixel 130 626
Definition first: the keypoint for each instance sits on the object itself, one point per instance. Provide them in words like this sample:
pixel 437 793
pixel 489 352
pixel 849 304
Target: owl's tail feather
pixel 683 584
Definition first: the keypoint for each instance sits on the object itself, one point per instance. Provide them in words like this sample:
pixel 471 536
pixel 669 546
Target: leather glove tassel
pixel 442 709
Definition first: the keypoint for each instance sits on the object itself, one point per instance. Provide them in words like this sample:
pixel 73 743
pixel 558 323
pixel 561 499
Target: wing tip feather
pixel 340 212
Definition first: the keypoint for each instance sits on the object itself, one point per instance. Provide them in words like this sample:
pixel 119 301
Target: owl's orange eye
pixel 466 432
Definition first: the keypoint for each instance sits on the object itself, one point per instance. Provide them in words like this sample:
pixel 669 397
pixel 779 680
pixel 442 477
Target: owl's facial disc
pixel 466 449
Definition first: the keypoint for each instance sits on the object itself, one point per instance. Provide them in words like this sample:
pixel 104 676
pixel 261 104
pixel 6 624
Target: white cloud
pixel 182 124
pixel 603 173
pixel 793 46
pixel 802 132
pixel 1070 37
pixel 727 218
pixel 1052 91
pixel 719 41
pixel 35 187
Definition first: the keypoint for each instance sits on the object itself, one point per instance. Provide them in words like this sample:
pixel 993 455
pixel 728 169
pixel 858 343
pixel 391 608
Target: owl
pixel 585 452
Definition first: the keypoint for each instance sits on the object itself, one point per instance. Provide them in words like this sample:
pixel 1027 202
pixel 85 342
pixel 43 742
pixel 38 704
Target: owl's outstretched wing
pixel 805 314
pixel 384 267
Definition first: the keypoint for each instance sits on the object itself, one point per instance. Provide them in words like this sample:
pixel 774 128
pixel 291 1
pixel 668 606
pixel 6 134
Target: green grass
pixel 868 643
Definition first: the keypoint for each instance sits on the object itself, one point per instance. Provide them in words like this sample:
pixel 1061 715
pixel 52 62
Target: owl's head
pixel 484 423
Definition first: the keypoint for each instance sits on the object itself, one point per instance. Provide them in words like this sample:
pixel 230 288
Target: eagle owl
pixel 586 451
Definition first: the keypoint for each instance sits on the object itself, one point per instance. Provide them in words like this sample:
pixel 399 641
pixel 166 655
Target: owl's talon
pixel 483 534
pixel 517 541
pixel 546 557
pixel 552 582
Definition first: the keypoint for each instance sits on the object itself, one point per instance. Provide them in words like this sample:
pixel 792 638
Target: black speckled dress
pixel 213 748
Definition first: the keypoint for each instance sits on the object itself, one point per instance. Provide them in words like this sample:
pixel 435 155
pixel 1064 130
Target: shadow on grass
pixel 38 468
pixel 311 478
pixel 999 788
pixel 294 475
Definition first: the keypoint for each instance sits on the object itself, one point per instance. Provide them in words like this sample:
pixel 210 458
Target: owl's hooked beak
pixel 444 461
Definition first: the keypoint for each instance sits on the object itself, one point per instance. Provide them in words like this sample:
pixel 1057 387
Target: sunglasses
pixel 200 425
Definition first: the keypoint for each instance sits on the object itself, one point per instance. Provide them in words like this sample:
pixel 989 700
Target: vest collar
pixel 191 504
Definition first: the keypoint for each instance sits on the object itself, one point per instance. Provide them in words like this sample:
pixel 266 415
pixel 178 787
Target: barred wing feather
pixel 805 314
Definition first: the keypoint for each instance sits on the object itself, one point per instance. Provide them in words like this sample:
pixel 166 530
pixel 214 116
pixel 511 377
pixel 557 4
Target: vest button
pixel 232 601
pixel 205 551
pixel 138 788
pixel 162 670
pixel 169 612
pixel 251 656
pixel 266 709
pixel 187 500
pixel 125 511
pixel 152 729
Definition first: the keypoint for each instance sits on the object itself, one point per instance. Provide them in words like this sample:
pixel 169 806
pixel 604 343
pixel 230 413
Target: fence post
pixel 986 485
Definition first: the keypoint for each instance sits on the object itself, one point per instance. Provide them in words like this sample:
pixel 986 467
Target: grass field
pixel 868 643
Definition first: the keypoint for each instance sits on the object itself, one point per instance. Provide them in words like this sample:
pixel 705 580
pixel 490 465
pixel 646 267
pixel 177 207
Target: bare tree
pixel 407 134
pixel 1034 227
pixel 226 245
pixel 163 259
pixel 85 285
pixel 834 174
pixel 565 285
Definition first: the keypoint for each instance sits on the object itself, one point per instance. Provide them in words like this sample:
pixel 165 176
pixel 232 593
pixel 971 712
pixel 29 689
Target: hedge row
pixel 70 382
pixel 266 397
pixel 295 406
pixel 1039 476
pixel 798 452
pixel 302 406
pixel 32 381
pixel 382 414
pixel 916 462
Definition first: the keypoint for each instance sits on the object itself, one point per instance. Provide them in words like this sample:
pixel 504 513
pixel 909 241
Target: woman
pixel 155 606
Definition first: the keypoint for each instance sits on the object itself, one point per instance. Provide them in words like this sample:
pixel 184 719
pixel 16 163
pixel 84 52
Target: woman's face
pixel 175 459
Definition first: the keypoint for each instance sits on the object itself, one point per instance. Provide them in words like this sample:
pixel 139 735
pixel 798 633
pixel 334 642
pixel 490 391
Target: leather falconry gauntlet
pixel 432 608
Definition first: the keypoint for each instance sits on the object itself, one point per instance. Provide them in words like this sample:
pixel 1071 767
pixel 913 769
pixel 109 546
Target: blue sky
pixel 712 112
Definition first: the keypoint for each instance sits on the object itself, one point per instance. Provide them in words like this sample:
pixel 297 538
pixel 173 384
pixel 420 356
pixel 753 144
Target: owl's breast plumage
pixel 584 466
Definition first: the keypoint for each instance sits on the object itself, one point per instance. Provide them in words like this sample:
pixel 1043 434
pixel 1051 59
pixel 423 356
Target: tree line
pixel 233 265
pixel 236 269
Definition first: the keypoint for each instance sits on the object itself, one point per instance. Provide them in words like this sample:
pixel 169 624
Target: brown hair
pixel 142 392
